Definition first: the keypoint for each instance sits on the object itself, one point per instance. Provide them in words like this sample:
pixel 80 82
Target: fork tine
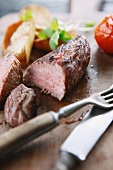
pixel 107 96
pixel 109 100
pixel 106 91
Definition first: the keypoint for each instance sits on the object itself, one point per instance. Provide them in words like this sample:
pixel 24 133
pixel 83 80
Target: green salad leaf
pixel 54 24
pixel 65 36
pixel 26 16
pixel 46 33
pixel 54 40
pixel 89 24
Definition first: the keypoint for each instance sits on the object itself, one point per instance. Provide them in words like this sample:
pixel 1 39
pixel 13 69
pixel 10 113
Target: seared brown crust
pixel 20 105
pixel 10 77
pixel 72 56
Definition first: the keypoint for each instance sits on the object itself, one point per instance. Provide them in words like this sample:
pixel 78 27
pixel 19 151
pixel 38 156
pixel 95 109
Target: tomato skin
pixel 104 34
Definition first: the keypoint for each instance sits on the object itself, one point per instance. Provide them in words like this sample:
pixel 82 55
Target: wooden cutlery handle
pixel 12 139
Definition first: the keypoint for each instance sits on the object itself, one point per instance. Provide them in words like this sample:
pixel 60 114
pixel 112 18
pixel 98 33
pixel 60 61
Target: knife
pixel 83 138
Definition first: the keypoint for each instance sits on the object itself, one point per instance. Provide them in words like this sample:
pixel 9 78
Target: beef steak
pixel 10 76
pixel 58 71
pixel 20 105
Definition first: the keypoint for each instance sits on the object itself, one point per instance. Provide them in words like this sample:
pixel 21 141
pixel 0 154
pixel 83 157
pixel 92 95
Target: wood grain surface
pixel 41 153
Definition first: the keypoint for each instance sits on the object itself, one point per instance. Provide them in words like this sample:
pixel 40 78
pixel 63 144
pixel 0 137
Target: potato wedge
pixel 41 15
pixel 9 31
pixel 21 41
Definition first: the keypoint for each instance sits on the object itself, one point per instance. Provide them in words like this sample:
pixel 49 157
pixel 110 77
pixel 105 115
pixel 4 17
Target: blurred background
pixel 107 6
pixel 59 6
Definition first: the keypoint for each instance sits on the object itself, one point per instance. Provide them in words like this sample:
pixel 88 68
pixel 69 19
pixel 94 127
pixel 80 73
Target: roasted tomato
pixel 104 34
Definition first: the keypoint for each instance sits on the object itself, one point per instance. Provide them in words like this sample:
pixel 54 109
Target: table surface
pixel 42 152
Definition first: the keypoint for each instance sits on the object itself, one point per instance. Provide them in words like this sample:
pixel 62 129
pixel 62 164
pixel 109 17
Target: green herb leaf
pixel 55 37
pixel 89 24
pixel 54 40
pixel 46 33
pixel 53 46
pixel 54 24
pixel 54 33
pixel 65 36
pixel 26 16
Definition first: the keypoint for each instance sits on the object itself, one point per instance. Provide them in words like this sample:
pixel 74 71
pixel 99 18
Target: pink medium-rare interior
pixel 5 68
pixel 50 78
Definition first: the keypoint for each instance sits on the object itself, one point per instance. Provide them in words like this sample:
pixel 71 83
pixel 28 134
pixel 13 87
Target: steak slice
pixel 58 71
pixel 20 105
pixel 10 76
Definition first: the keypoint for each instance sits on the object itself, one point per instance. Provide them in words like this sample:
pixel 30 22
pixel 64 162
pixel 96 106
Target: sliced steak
pixel 20 105
pixel 57 72
pixel 10 76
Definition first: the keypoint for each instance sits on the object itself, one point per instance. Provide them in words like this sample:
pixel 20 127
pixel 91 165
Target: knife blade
pixel 83 138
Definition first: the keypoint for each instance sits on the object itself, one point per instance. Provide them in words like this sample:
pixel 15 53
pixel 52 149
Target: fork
pixel 16 137
pixel 102 99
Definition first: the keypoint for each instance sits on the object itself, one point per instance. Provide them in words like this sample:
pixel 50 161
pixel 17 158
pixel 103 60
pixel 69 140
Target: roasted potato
pixel 21 41
pixel 8 33
pixel 21 36
pixel 41 15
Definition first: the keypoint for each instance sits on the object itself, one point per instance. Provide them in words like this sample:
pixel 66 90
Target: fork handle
pixel 67 110
pixel 16 137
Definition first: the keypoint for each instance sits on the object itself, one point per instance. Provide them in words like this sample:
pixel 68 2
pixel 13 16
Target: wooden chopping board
pixel 41 153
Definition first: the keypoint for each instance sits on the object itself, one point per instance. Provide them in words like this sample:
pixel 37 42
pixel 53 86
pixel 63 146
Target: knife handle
pixel 66 161
pixel 16 137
